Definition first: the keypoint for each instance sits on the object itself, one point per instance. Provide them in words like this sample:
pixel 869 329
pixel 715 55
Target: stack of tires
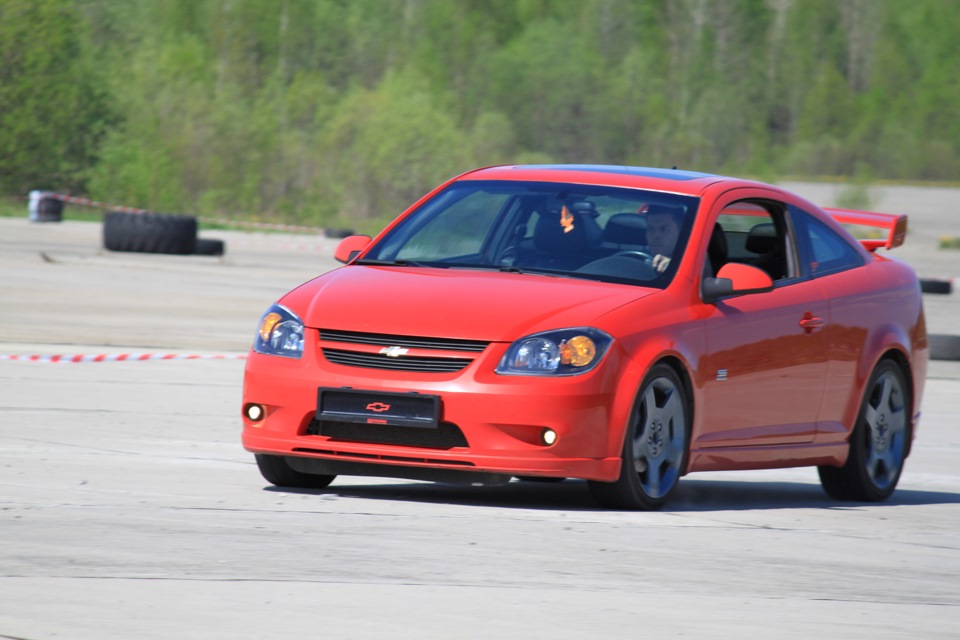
pixel 156 233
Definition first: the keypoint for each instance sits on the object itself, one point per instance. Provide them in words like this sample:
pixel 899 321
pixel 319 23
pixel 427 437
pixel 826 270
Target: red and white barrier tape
pixel 264 225
pixel 92 203
pixel 117 357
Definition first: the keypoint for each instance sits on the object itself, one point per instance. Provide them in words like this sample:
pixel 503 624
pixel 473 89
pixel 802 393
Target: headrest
pixel 551 236
pixel 626 228
pixel 762 238
pixel 585 207
pixel 718 244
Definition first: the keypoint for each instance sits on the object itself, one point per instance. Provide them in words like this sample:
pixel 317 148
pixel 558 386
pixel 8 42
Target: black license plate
pixel 378 407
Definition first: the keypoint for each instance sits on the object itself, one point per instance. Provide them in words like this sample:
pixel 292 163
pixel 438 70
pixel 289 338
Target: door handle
pixel 810 323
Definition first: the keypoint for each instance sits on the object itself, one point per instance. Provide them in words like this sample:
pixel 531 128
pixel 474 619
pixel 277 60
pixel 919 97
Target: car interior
pixel 749 233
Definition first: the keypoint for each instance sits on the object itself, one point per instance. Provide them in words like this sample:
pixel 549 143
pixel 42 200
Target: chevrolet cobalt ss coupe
pixel 621 325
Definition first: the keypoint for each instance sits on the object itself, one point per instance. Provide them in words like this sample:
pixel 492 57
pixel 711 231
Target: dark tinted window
pixel 826 251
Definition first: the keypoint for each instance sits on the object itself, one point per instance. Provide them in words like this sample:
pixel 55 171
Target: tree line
pixel 319 111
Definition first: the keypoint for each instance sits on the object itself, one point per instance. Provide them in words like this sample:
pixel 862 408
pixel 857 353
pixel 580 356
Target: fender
pixel 888 337
pixel 683 348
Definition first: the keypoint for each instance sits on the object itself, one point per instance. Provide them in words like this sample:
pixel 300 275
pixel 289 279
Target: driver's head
pixel 663 228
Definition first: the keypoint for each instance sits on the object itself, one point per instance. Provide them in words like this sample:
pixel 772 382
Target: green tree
pixel 53 105
pixel 309 109
pixel 387 146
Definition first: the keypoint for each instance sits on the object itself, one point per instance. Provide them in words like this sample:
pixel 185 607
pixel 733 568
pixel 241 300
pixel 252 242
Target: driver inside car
pixel 663 230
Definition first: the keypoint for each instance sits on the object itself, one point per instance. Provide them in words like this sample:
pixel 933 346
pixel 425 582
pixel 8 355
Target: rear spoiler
pixel 895 224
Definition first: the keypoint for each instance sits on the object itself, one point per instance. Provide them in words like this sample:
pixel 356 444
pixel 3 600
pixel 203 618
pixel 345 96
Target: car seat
pixel 763 241
pixel 625 231
pixel 563 247
pixel 717 249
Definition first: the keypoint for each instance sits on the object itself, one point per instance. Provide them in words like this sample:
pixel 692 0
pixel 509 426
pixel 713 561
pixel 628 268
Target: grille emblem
pixel 394 352
pixel 377 407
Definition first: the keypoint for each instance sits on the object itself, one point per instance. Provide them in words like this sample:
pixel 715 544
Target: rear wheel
pixel 879 442
pixel 276 471
pixel 655 446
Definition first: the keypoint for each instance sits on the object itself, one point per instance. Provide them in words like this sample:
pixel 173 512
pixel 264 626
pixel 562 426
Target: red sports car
pixel 621 325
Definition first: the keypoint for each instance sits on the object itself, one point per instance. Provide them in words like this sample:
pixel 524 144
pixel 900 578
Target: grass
pixel 949 242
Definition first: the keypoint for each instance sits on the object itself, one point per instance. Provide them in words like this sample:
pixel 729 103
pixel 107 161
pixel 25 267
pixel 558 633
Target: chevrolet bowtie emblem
pixel 394 352
pixel 377 407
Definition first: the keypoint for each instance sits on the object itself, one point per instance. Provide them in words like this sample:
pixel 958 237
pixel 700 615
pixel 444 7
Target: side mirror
pixel 350 247
pixel 735 279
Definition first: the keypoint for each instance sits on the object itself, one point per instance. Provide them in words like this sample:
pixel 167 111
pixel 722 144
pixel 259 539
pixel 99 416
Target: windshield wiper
pixel 390 263
pixel 550 273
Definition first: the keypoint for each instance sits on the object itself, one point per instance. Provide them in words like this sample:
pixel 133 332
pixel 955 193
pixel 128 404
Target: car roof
pixel 656 179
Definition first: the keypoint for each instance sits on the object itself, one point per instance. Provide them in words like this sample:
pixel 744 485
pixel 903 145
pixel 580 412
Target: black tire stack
pixel 156 233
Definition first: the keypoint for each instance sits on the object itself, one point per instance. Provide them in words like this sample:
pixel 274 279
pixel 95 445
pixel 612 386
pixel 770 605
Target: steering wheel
pixel 639 255
pixel 508 256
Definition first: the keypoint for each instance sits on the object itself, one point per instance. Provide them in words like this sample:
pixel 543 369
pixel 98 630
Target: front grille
pixel 405 363
pixel 414 342
pixel 446 436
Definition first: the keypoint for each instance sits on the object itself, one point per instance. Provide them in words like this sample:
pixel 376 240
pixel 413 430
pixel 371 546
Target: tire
pixel 50 210
pixel 276 471
pixel 209 247
pixel 879 442
pixel 655 447
pixel 944 347
pixel 149 232
pixel 932 285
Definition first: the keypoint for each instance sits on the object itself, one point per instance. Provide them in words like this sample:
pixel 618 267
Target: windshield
pixel 594 232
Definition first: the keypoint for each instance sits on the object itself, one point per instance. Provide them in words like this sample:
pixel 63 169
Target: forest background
pixel 343 111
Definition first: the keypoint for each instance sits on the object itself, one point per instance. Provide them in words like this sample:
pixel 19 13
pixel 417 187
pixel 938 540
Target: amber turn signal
pixel 578 351
pixel 267 324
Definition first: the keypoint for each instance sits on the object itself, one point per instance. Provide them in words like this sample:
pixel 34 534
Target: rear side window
pixel 825 250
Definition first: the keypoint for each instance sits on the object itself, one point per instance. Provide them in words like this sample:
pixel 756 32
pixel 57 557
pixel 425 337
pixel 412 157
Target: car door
pixel 766 354
pixel 856 300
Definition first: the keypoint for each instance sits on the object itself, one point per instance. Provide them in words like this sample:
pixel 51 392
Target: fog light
pixel 254 412
pixel 549 436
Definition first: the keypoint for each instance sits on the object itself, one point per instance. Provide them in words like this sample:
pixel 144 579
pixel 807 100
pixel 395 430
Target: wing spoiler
pixel 895 224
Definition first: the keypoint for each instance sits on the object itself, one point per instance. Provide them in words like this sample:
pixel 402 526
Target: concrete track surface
pixel 129 510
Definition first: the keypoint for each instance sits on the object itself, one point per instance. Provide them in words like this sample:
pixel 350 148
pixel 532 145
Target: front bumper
pixel 502 418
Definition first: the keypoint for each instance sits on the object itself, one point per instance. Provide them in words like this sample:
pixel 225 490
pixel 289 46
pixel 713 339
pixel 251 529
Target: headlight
pixel 280 333
pixel 564 352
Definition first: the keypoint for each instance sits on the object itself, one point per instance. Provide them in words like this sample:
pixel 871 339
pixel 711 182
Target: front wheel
pixel 655 446
pixel 879 442
pixel 276 471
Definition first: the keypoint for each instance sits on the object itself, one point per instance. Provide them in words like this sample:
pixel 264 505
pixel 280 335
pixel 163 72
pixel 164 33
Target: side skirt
pixel 833 454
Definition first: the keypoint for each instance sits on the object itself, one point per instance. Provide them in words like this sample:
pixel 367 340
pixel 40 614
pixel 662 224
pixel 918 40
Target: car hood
pixel 454 303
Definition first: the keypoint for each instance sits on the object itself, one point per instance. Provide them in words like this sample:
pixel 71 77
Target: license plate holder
pixel 360 406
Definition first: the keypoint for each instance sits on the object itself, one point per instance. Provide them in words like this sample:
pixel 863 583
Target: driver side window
pixel 754 233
